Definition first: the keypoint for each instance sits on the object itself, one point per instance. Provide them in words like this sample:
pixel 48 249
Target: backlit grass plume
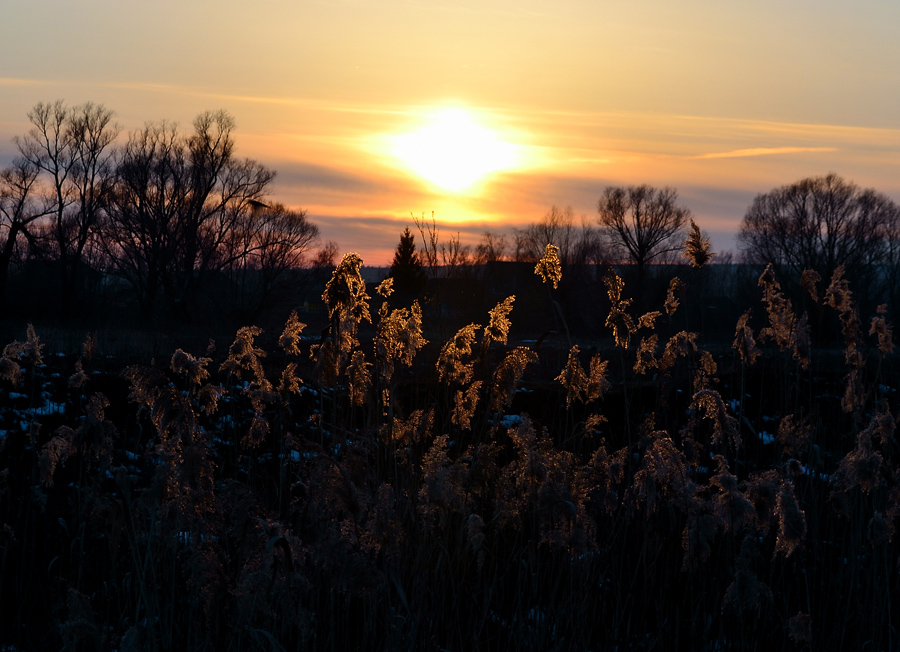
pixel 498 325
pixel 347 302
pixel 619 320
pixel 580 386
pixel 645 358
pixel 744 342
pixel 16 353
pixel 452 364
pixel 244 355
pixel 464 404
pixel 787 330
pixel 398 339
pixel 507 376
pixel 883 331
pixel 697 248
pixel 573 378
pixel 290 336
pixel 548 267
pixel 671 304
pixel 808 281
pixel 386 287
pixel 709 404
pixel 839 296
pixel 360 378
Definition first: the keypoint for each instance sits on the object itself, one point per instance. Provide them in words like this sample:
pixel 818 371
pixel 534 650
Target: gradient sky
pixel 720 99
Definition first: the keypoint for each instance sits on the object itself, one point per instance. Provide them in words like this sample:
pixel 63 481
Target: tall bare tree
pixel 577 246
pixel 491 249
pixel 140 234
pixel 642 223
pixel 820 223
pixel 72 147
pixel 266 242
pixel 185 207
pixel 18 209
pixel 556 227
pixel 892 261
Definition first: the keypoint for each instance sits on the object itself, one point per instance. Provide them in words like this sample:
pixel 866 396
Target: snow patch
pixel 766 437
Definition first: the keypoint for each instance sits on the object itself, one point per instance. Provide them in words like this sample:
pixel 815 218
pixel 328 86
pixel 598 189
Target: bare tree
pixel 326 256
pixel 580 249
pixel 430 239
pixel 891 277
pixel 269 242
pixel 642 223
pixel 72 147
pixel 455 256
pixel 589 249
pixel 184 207
pixel 140 234
pixel 820 223
pixel 17 211
pixel 491 249
pixel 557 227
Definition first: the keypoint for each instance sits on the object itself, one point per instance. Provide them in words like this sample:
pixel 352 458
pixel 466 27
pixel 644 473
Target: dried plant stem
pixel 625 395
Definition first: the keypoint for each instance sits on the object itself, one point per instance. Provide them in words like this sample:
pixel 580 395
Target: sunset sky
pixel 372 110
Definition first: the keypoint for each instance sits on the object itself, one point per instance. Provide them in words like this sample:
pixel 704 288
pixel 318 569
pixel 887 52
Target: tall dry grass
pixel 384 491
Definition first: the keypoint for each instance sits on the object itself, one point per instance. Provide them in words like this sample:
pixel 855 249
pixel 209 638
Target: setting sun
pixel 453 151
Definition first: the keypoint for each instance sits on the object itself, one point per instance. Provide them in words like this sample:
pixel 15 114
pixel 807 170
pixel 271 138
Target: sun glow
pixel 453 151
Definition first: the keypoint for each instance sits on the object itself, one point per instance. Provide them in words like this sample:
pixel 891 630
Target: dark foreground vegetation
pixel 496 450
pixel 404 480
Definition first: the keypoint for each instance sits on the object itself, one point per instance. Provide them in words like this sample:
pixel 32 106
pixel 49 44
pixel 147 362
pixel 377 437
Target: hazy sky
pixel 721 99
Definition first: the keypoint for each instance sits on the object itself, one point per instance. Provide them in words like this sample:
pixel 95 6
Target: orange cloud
pixel 764 151
pixel 13 81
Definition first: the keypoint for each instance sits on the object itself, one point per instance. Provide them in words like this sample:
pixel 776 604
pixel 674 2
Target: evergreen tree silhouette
pixel 406 268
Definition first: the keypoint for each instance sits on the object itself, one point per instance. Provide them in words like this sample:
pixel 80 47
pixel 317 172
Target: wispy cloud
pixel 308 103
pixel 764 151
pixel 14 81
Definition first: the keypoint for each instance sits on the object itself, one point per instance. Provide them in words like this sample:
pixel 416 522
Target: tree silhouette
pixel 557 227
pixel 406 268
pixel 643 223
pixel 820 223
pixel 72 148
pixel 491 249
pixel 184 206
pixel 262 247
pixel 177 216
pixel 17 211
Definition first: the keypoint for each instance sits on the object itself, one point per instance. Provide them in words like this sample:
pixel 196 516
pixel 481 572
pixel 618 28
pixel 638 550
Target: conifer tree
pixel 406 268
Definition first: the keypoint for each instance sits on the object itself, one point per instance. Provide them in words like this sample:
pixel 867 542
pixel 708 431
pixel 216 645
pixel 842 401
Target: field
pixel 397 477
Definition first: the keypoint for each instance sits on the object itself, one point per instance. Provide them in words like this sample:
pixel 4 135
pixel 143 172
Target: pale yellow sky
pixel 720 99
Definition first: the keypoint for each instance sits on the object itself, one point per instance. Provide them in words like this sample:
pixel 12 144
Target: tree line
pixel 817 224
pixel 170 213
pixel 166 212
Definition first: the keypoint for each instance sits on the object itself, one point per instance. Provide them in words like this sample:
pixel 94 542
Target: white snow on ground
pixel 824 477
pixel 766 437
pixel 511 420
pixel 49 407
